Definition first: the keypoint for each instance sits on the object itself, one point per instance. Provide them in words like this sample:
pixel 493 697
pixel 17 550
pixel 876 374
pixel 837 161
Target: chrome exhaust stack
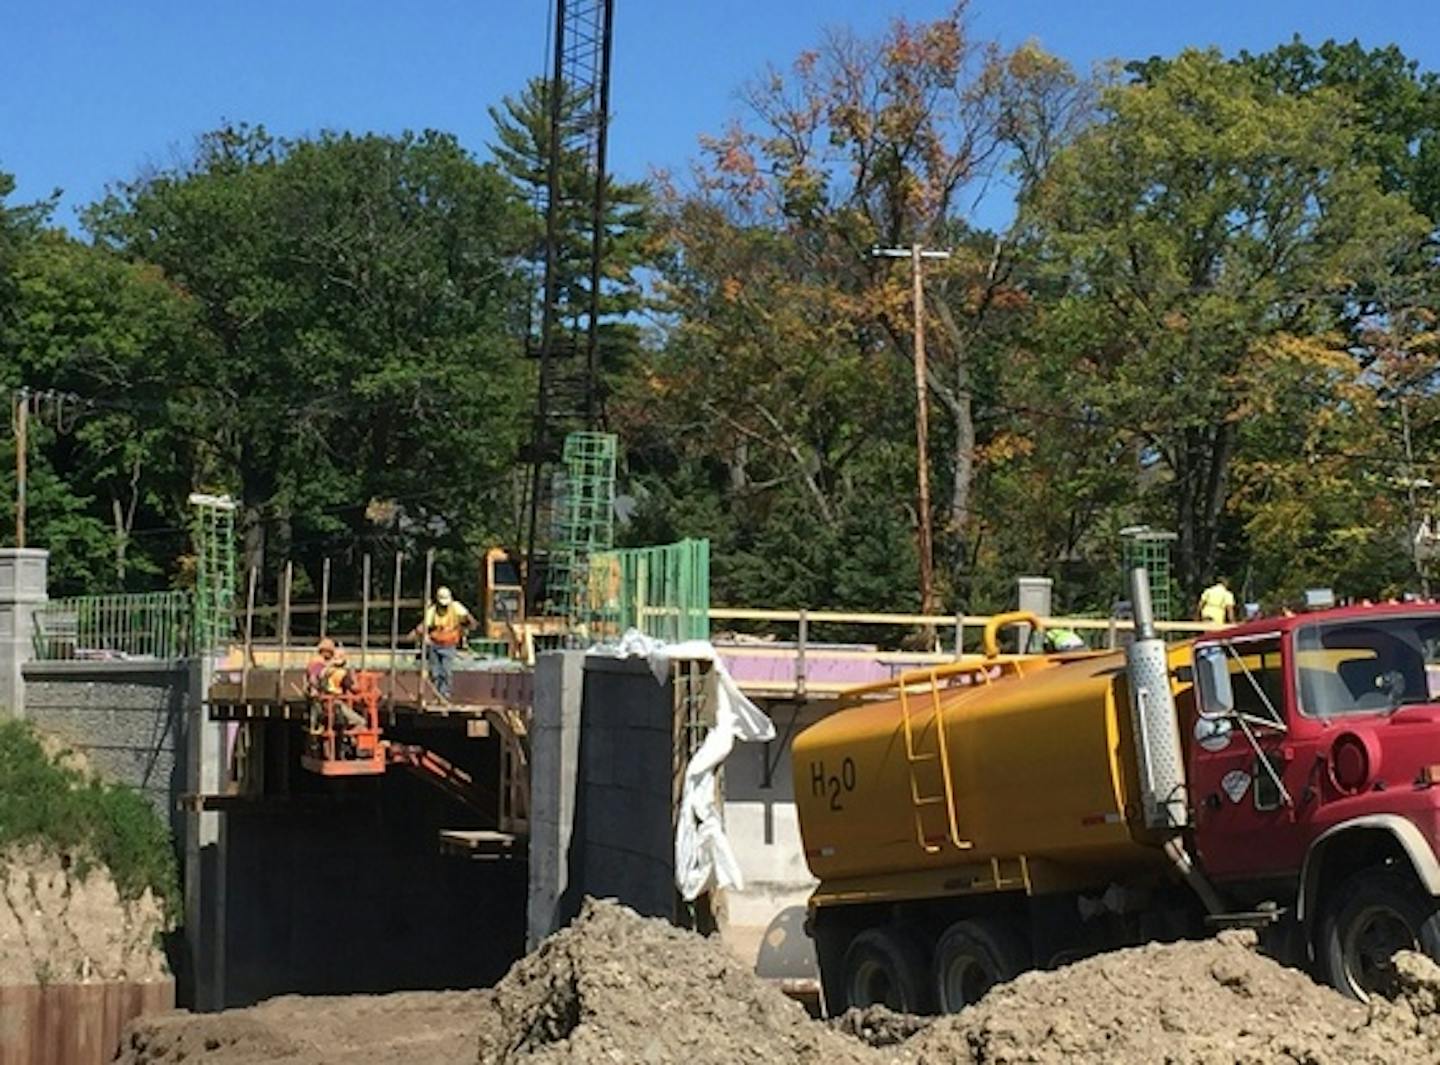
pixel 1154 718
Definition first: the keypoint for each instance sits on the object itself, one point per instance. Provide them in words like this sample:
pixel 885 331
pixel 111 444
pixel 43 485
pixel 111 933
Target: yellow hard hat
pixel 325 646
pixel 443 596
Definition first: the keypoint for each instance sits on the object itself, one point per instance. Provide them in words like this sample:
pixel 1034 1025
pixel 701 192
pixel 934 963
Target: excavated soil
pixel 616 987
pixel 61 925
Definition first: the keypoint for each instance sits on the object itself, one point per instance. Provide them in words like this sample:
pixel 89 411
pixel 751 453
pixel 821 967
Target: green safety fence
pixel 155 625
pixel 662 591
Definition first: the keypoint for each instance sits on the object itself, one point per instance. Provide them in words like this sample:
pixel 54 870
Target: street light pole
pixel 924 538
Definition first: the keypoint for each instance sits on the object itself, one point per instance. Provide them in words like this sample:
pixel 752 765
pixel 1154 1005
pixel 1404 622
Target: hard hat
pixel 325 646
pixel 443 596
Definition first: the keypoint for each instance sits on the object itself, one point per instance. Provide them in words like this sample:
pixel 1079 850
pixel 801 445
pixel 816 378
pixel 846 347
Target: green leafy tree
pixel 521 150
pixel 791 343
pixel 1205 220
pixel 363 383
pixel 118 462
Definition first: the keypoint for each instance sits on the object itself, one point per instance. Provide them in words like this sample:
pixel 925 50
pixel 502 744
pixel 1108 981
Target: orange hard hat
pixel 325 646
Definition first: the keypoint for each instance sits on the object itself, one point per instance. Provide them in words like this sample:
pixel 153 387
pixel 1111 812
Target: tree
pixel 522 151
pixel 89 324
pixel 1397 107
pixel 359 295
pixel 791 334
pixel 1206 220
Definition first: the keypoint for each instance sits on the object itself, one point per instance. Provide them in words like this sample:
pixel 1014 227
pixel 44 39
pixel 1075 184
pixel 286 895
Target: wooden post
pixel 324 596
pixel 424 631
pixel 394 627
pixel 364 609
pixel 284 626
pixel 22 449
pixel 922 441
pixel 804 637
pixel 249 635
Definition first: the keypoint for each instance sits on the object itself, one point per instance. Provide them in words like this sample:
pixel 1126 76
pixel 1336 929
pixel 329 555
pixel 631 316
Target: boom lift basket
pixel 341 751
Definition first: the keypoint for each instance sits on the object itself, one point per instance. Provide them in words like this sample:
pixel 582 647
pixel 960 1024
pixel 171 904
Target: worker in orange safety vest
pixel 446 622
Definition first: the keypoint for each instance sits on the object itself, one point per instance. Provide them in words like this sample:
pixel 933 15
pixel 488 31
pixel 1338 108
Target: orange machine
pixel 347 752
pixel 335 750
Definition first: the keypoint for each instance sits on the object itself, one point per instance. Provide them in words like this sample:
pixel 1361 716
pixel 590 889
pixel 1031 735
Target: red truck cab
pixel 1313 764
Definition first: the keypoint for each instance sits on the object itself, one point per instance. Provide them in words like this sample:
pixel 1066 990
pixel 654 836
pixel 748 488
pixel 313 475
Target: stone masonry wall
pixel 129 719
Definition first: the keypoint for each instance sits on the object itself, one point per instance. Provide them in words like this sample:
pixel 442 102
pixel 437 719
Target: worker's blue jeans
pixel 442 665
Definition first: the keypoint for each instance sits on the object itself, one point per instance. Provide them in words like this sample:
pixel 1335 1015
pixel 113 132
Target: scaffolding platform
pixel 238 694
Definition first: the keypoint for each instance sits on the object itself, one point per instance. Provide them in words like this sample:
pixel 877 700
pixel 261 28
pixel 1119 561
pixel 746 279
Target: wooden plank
pixel 482 844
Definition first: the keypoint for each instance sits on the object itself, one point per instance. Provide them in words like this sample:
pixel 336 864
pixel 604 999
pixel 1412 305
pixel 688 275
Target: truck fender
pixel 1412 841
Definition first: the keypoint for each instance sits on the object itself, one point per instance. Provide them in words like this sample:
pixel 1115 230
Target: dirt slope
pixel 619 988
pixel 58 925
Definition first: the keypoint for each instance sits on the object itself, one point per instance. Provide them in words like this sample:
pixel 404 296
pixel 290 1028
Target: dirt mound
pixel 413 1027
pixel 614 987
pixel 877 1026
pixel 1208 1002
pixel 63 923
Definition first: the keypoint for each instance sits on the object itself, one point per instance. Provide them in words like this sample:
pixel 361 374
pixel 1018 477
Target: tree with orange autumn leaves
pixel 1195 319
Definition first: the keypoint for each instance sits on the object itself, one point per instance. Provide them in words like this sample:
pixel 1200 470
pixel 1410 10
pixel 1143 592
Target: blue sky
pixel 91 92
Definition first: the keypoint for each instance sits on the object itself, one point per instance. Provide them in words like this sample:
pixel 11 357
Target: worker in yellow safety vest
pixel 1217 603
pixel 328 674
pixel 445 625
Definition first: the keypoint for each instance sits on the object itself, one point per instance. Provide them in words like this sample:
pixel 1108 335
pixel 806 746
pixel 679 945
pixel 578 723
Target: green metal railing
pixel 151 625
pixel 662 591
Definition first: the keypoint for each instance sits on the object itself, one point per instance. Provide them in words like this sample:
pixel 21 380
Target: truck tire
pixel 1372 915
pixel 972 957
pixel 886 967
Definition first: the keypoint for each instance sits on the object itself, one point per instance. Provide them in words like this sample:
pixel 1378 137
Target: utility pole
pixel 21 410
pixel 924 538
pixel 1410 486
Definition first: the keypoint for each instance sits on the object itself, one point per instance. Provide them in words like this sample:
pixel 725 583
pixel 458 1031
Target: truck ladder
pixel 920 799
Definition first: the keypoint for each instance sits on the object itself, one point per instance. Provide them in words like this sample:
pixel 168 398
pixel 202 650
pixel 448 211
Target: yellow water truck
pixel 962 821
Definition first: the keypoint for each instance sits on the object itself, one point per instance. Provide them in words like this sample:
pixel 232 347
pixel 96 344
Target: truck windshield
pixel 1367 666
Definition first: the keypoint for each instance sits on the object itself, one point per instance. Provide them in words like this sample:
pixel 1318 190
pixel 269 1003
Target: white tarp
pixel 703 856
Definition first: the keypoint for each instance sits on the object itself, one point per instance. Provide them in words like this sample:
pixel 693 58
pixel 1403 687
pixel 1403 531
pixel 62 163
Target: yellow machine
pixel 503 614
pixel 960 817
pixel 892 806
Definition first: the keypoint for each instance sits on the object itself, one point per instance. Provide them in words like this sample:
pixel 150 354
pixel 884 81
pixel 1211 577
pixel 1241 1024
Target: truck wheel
pixel 972 957
pixel 884 966
pixel 1371 916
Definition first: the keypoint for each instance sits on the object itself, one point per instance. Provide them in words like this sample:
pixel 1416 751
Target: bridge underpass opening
pixel 335 886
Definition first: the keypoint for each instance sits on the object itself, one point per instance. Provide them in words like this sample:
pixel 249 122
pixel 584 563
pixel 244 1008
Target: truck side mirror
pixel 1212 674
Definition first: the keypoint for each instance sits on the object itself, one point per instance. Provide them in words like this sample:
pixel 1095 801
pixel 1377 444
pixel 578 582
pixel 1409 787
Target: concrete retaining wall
pixel 765 917
pixel 622 845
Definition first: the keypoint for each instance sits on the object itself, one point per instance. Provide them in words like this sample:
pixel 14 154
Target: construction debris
pixel 616 987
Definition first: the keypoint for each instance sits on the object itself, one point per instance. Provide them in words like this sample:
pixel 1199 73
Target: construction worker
pixel 445 625
pixel 328 674
pixel 324 652
pixel 1217 603
pixel 1062 639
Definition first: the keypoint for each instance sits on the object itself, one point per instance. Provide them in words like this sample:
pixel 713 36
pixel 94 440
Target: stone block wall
pixel 129 719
